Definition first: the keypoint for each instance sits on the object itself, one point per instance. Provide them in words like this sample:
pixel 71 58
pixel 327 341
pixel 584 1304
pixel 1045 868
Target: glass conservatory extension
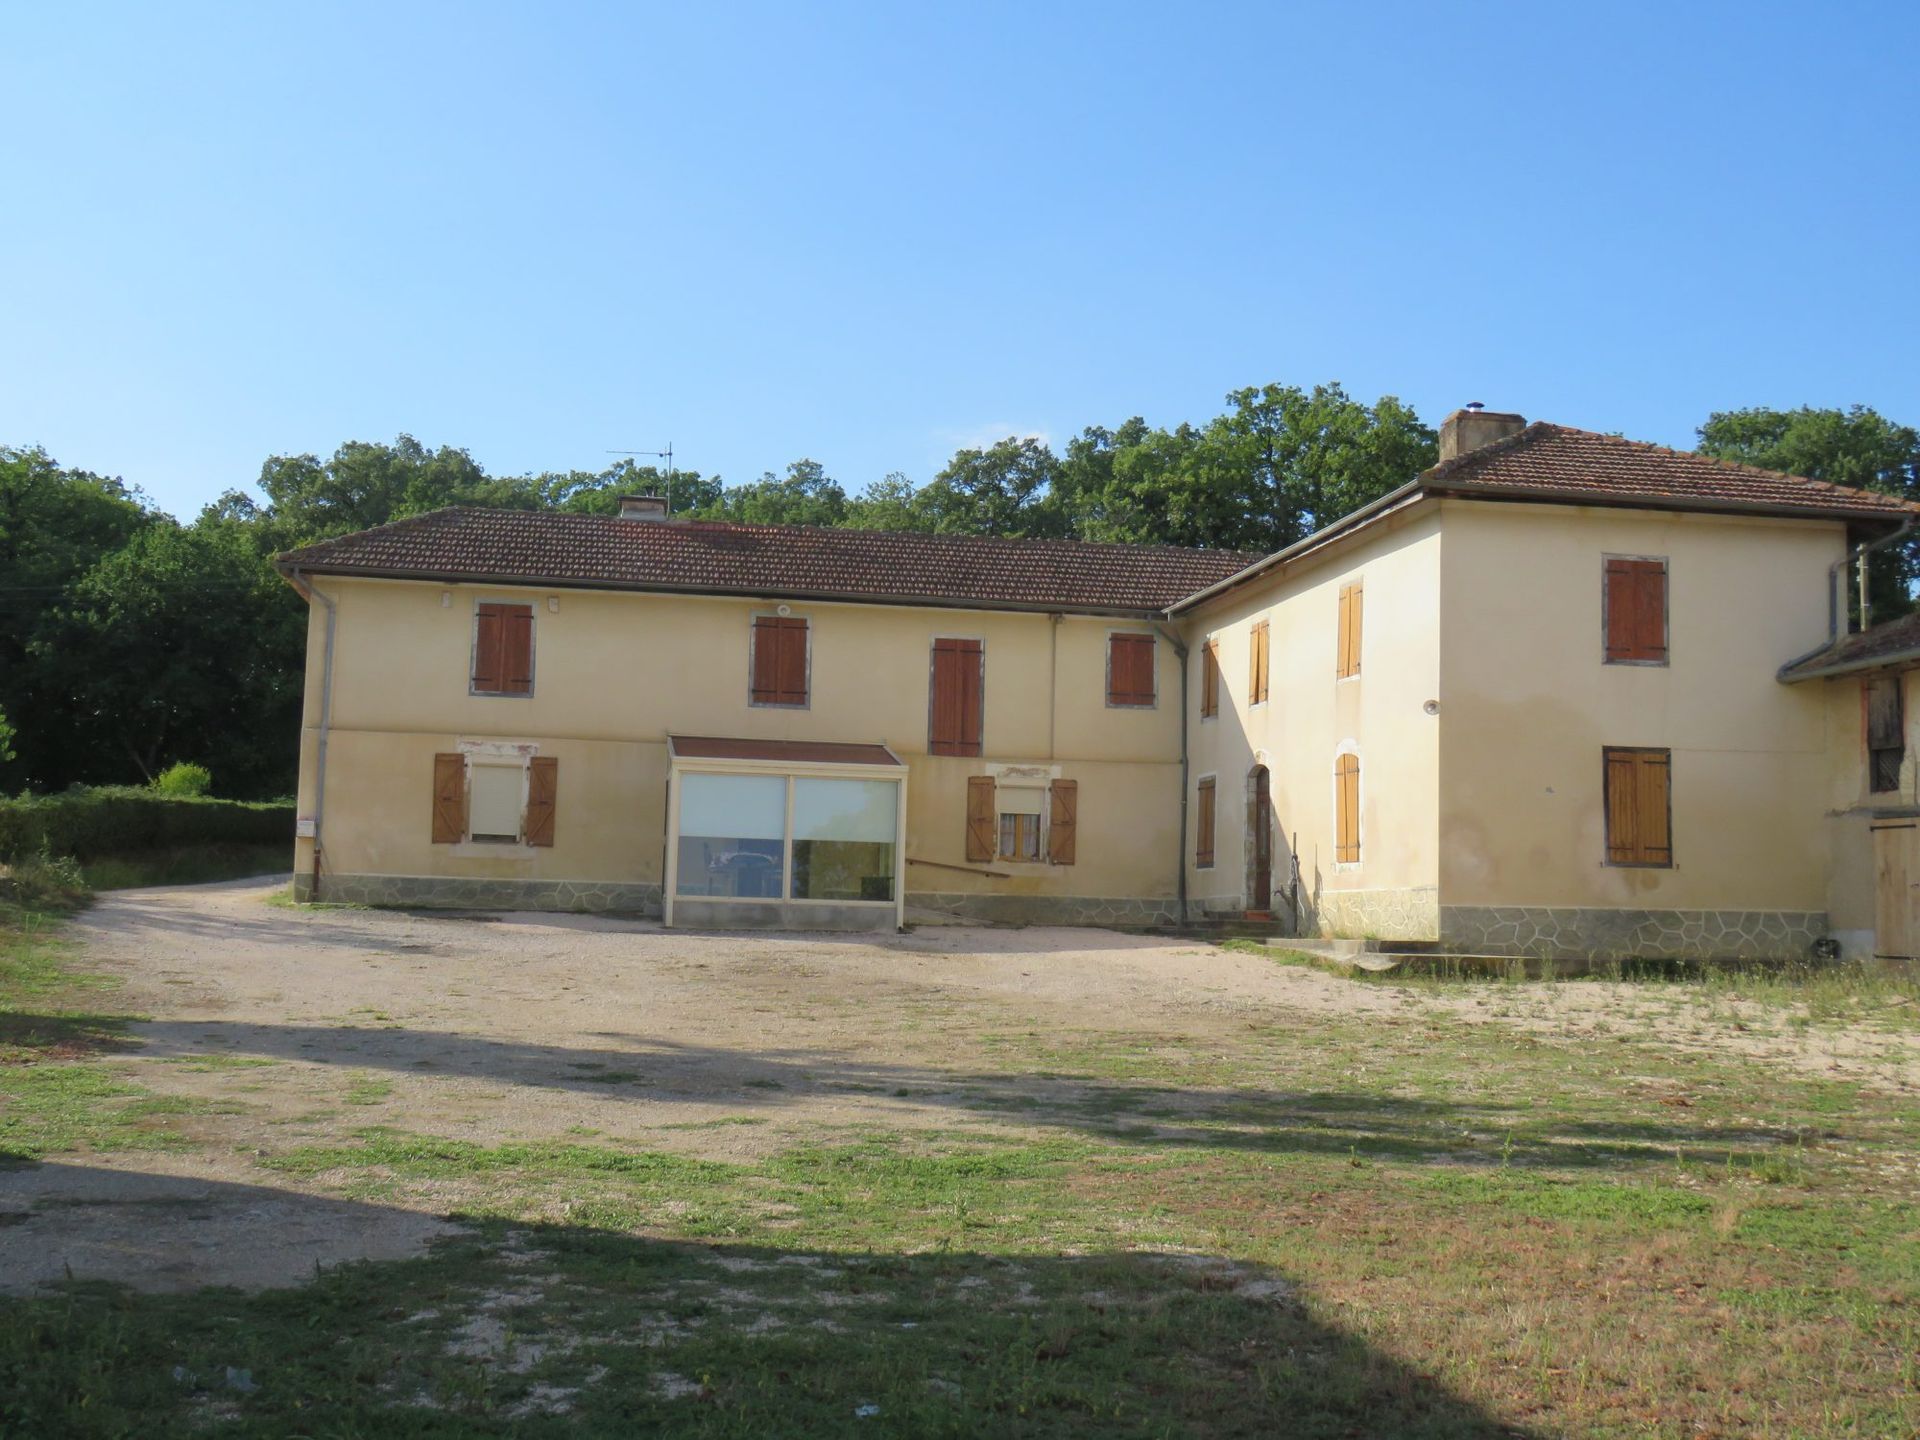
pixel 785 834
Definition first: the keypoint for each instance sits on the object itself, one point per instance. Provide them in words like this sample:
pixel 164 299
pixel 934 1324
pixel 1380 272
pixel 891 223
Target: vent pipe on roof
pixel 643 507
pixel 1471 427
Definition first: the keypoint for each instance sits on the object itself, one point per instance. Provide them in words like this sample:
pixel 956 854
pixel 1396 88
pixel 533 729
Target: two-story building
pixel 1528 703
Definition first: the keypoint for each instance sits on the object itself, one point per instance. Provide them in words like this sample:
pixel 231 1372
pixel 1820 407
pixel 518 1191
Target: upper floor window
pixel 1130 669
pixel 1257 651
pixel 954 708
pixel 1636 611
pixel 780 661
pixel 1351 595
pixel 1886 734
pixel 1210 680
pixel 502 649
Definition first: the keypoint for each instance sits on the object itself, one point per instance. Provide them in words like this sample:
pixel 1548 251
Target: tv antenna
pixel 666 455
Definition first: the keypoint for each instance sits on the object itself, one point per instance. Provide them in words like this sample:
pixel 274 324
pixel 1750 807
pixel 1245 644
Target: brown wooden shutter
pixel 1130 669
pixel 1258 649
pixel 1346 772
pixel 955 707
pixel 449 799
pixel 1203 827
pixel 516 648
pixel 1210 680
pixel 1886 733
pixel 489 649
pixel 1639 807
pixel 1063 823
pixel 543 788
pixel 1636 601
pixel 982 824
pixel 1351 611
pixel 779 660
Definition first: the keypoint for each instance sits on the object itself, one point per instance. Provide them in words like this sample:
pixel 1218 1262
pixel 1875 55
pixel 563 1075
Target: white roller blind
pixel 738 807
pixel 844 809
pixel 1021 799
pixel 495 793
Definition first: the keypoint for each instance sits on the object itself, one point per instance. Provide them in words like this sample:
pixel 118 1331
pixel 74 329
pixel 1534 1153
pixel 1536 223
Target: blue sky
pixel 868 234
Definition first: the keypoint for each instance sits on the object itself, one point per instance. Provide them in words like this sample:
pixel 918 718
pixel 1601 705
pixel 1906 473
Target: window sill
pixel 499 694
pixel 1638 664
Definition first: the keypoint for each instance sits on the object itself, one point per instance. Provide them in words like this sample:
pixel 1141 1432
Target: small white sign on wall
pixel 303 827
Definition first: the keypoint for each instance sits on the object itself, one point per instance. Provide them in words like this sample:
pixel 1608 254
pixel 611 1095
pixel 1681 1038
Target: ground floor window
pixel 733 831
pixel 779 837
pixel 1020 808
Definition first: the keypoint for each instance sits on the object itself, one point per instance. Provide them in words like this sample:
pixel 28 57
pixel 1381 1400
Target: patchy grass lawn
pixel 1384 1224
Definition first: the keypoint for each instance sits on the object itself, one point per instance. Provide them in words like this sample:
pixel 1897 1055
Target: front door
pixel 1896 869
pixel 1260 828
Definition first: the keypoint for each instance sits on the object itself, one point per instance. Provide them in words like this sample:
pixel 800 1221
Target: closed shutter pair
pixel 503 650
pixel 983 820
pixel 450 799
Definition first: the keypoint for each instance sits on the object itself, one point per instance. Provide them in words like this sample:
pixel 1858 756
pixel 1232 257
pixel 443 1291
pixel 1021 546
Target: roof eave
pixel 1407 494
pixel 1549 495
pixel 547 582
pixel 1794 674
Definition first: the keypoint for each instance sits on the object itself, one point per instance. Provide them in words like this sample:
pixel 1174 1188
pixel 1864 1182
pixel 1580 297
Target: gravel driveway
pixel 280 1027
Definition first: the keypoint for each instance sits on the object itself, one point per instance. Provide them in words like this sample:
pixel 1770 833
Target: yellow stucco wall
pixel 1527 706
pixel 1310 716
pixel 615 673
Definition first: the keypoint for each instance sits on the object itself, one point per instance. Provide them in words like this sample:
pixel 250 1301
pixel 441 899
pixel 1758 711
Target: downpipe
pixel 308 593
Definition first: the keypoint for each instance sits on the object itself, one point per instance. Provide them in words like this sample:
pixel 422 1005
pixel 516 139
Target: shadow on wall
pixel 553 1328
pixel 639 1070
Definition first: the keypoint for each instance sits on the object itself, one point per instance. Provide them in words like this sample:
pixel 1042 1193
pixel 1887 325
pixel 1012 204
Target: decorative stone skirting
pixel 1409 914
pixel 1631 934
pixel 452 892
pixel 1050 909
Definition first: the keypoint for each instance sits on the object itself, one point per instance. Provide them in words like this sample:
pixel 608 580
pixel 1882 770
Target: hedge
pixel 125 820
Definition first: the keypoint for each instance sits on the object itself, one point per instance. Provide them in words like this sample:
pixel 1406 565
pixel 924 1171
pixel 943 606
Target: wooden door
pixel 1896 867
pixel 1260 827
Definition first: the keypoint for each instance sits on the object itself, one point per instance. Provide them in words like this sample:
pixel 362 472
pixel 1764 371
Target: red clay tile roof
pixel 787 752
pixel 1557 463
pixel 1895 642
pixel 549 547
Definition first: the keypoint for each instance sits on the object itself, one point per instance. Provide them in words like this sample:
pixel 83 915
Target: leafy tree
pixel 1858 447
pixel 1006 488
pixel 598 493
pixel 889 503
pixel 805 495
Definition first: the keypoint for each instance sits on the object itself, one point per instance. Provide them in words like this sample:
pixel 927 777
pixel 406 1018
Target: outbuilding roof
pixel 1558 463
pixel 549 547
pixel 1897 642
pixel 784 752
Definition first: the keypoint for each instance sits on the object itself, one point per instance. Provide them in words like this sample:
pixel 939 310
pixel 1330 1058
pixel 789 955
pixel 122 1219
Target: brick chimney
pixel 643 507
pixel 1470 428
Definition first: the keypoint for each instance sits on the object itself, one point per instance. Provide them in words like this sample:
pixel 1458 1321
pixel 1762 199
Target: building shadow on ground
pixel 561 1329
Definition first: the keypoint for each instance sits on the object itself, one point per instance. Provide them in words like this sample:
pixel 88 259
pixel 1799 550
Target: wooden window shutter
pixel 1886 733
pixel 956 704
pixel 1258 650
pixel 1351 610
pixel 1063 823
pixel 1636 603
pixel 489 649
pixel 983 825
pixel 1639 805
pixel 543 788
pixel 449 799
pixel 1346 844
pixel 516 647
pixel 779 660
pixel 1210 680
pixel 1130 669
pixel 1203 826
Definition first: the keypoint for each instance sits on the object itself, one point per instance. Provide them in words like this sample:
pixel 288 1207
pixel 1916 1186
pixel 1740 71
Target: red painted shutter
pixel 1130 669
pixel 489 649
pixel 1652 588
pixel 793 662
pixel 1063 820
pixel 1636 602
pixel 982 824
pixel 449 799
pixel 956 702
pixel 543 789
